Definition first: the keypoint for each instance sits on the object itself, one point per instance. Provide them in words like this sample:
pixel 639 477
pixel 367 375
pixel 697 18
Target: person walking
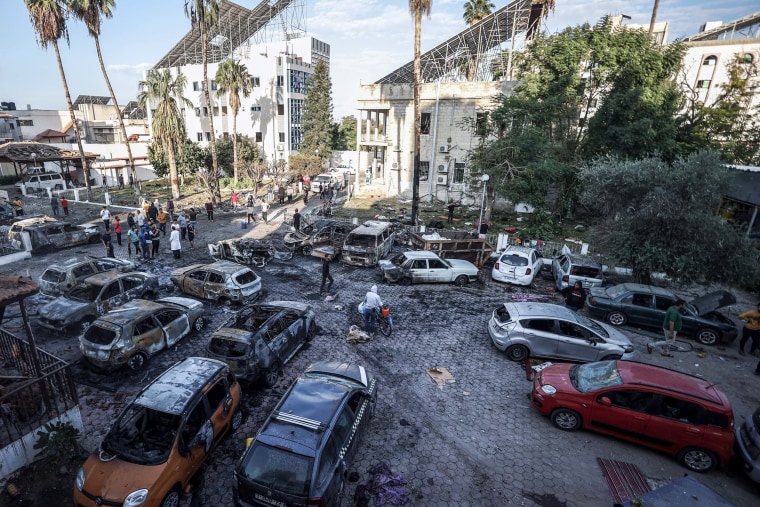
pixel 162 217
pixel 133 241
pixel 182 224
pixel 289 193
pixel 170 208
pixel 117 229
pixel 452 207
pixel 191 235
pixel 155 238
pixel 210 210
pixel 65 206
pixel 671 326
pixel 264 210
pixel 250 207
pixel 143 236
pixel 305 196
pixel 751 330
pixel 575 296
pixel 54 204
pixel 297 220
pixel 105 216
pixel 152 212
pixel 174 242
pixel 18 206
pixel 106 239
pixel 372 303
pixel 326 277
pixel 120 179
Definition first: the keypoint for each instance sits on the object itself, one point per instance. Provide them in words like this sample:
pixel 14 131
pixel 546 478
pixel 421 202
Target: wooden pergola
pixel 24 154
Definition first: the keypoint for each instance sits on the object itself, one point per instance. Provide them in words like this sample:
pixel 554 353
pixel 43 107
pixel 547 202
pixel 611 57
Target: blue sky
pixel 369 38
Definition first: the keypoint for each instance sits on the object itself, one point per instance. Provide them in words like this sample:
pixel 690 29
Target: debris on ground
pixel 356 335
pixel 441 376
pixel 384 486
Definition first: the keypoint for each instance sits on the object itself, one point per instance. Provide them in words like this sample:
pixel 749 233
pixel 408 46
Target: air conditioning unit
pixel 443 168
pixel 280 147
pixel 444 149
pixel 442 179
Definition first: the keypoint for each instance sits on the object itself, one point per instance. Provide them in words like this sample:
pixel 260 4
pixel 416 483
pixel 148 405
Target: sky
pixel 368 38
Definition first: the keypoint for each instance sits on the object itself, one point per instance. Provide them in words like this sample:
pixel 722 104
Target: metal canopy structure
pixel 237 27
pixel 91 99
pixel 747 27
pixel 473 49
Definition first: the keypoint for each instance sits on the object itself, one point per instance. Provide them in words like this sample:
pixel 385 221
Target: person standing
pixel 117 229
pixel 140 219
pixel 152 212
pixel 751 330
pixel 297 220
pixel 170 208
pixel 326 277
pixel 281 194
pixel 372 304
pixel 452 207
pixel 671 326
pixel 155 238
pixel 289 193
pixel 234 200
pixel 142 236
pixel 264 210
pixel 182 224
pixel 305 196
pixel 191 235
pixel 105 216
pixel 174 242
pixel 162 221
pixel 120 179
pixel 54 204
pixel 65 206
pixel 192 218
pixel 575 296
pixel 270 194
pixel 210 210
pixel 18 206
pixel 250 206
pixel 133 241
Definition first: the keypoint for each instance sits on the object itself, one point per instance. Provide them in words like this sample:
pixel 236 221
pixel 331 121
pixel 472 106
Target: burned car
pixel 426 267
pixel 328 232
pixel 262 338
pixel 7 214
pixel 136 331
pixel 253 252
pixel 93 297
pixel 58 278
pixel 222 281
pixel 44 234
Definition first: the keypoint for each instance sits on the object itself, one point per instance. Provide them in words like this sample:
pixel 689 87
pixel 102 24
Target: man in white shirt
pixel 140 219
pixel 372 302
pixel 105 216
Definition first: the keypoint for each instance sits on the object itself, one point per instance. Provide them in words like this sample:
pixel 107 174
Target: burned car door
pixel 193 283
pixel 133 288
pixel 196 438
pixel 175 325
pixel 110 297
pixel 74 235
pixel 419 271
pixel 219 403
pixel 294 331
pixel 279 339
pixel 439 271
pixel 147 335
pixel 55 236
pixel 214 286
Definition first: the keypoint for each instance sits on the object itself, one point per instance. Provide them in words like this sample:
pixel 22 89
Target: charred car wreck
pixel 44 234
pixel 243 251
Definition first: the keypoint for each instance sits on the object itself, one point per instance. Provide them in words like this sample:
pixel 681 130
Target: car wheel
pixel 405 281
pixel 199 324
pixel 518 352
pixel 237 418
pixel 697 460
pixel 271 375
pixel 616 318
pixel 461 281
pixel 137 361
pixel 306 250
pixel 172 498
pixel 611 357
pixel 707 336
pixel 311 332
pixel 566 419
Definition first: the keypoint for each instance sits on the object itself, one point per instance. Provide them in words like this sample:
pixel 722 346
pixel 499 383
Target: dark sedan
pixel 645 306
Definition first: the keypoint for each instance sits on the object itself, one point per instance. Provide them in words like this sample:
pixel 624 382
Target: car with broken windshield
pixel 427 267
pixel 94 296
pixel 60 277
pixel 262 337
pixel 222 281
pixel 162 438
pixel 645 306
pixel 131 334
pixel 302 453
pixel 45 234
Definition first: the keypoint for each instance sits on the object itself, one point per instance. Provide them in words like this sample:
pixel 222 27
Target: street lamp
pixel 484 178
pixel 34 159
pixel 316 151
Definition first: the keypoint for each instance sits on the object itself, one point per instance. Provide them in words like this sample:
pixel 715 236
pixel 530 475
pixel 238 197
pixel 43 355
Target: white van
pixel 42 181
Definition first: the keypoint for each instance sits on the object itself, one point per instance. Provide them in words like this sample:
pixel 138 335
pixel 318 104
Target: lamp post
pixel 316 151
pixel 484 178
pixel 34 159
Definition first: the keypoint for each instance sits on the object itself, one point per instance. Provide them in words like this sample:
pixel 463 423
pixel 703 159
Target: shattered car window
pixel 594 376
pixel 361 240
pixel 142 435
pixel 100 335
pixel 85 292
pixel 245 277
pixel 268 465
pixel 54 275
pixel 228 348
pixel 514 260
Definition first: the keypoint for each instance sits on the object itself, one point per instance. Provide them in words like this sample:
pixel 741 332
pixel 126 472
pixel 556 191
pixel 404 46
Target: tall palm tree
pixel 417 8
pixel 91 12
pixel 48 18
pixel 475 11
pixel 164 91
pixel 233 78
pixel 204 14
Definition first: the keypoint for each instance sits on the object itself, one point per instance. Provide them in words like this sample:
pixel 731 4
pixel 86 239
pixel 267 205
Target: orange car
pixel 162 438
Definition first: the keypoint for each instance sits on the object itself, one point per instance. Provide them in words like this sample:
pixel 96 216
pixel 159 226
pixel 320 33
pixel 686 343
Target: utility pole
pixel 654 17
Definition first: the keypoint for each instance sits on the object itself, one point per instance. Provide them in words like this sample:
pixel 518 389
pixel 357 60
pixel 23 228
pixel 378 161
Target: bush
pixel 58 442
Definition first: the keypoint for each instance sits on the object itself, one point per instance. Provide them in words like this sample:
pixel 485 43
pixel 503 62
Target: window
pixel 281 137
pixel 681 410
pixel 82 271
pixel 259 137
pixel 424 170
pixel 198 275
pixel 168 316
pixel 710 60
pixel 436 264
pixel 458 173
pixel 297 81
pixel 481 124
pixel 255 81
pixel 328 461
pixel 208 136
pixel 644 300
pixel 199 136
pixel 196 86
pixel 425 124
pixel 205 111
pixel 215 278
pixel 224 110
pixel 419 264
pixel 256 109
pixel 703 83
pixel 111 291
pixel 216 110
pixel 216 395
pixel 280 109
pixel 639 401
pixel 131 283
pixel 663 303
pixel 574 330
pixel 144 326
pixel 26 123
pixel 213 85
pixel 280 80
pixel 539 324
pixel 296 109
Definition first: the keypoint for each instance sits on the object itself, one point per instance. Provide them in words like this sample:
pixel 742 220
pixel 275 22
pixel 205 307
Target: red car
pixel 679 414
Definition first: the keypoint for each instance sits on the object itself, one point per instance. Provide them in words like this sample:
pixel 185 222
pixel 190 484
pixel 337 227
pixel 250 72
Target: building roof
pixel 48 134
pixel 235 26
pixel 22 152
pixel 747 27
pixel 14 288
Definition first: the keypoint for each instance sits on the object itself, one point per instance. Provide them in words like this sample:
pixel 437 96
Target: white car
pixel 424 266
pixel 517 265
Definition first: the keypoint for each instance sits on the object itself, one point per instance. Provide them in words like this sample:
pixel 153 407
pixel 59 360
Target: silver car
pixel 59 278
pixel 547 330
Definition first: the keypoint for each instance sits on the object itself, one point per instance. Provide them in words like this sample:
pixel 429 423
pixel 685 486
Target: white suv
pixel 518 265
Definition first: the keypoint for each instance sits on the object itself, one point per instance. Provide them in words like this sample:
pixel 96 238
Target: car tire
pixel 616 318
pixel 311 332
pixel 697 460
pixel 461 281
pixel 707 336
pixel 306 250
pixel 271 375
pixel 172 498
pixel 137 361
pixel 199 324
pixel 237 418
pixel 517 353
pixel 566 419
pixel 406 281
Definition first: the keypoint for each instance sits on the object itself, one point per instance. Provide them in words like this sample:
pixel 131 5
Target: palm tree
pixel 204 14
pixel 91 12
pixel 49 21
pixel 417 8
pixel 475 11
pixel 164 91
pixel 233 78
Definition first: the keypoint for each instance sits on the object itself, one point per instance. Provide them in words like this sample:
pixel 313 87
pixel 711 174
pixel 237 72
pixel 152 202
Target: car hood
pixel 615 337
pixel 385 265
pixel 62 307
pixel 712 301
pixel 115 479
pixel 558 375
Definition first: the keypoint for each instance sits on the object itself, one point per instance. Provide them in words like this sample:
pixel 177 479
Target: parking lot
pixel 473 441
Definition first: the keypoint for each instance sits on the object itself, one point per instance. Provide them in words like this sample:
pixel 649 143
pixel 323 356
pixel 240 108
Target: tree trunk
pixel 417 119
pixel 118 115
pixel 642 276
pixel 173 180
pixel 234 146
pixel 214 161
pixel 85 167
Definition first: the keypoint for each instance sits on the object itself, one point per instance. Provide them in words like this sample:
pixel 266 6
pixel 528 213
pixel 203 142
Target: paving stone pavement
pixel 474 442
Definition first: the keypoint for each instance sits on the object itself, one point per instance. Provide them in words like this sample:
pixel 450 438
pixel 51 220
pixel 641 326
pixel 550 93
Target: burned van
pixel 368 243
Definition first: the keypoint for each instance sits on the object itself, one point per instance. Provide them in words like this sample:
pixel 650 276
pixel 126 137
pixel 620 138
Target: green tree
pixel 48 19
pixel 417 8
pixel 203 15
pixel 660 218
pixel 344 134
pixel 247 152
pixel 158 160
pixel 317 114
pixel 233 78
pixel 164 91
pixel 475 11
pixel 91 12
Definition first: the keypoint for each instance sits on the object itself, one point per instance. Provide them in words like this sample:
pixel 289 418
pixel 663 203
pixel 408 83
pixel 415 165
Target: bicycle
pixel 382 318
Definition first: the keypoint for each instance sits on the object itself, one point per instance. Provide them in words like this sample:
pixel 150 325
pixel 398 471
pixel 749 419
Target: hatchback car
pixel 222 281
pixel 136 331
pixel 426 267
pixel 517 265
pixel 262 338
pixel 301 454
pixel 547 330
pixel 569 268
pixel 679 414
pixel 58 278
pixel 645 305
pixel 45 234
pixel 748 445
pixel 160 440
pixel 94 296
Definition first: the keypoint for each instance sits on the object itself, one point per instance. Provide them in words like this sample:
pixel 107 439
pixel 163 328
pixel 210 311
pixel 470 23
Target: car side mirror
pixel 593 341
pixel 605 401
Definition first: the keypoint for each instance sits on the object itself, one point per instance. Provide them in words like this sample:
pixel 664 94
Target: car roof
pixel 36 220
pixel 68 264
pixel 176 387
pixel 525 310
pixel 526 250
pixel 646 289
pixel 420 254
pixel 634 373
pixel 225 266
pixel 104 277
pixel 371 227
pixel 582 259
pixel 134 310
